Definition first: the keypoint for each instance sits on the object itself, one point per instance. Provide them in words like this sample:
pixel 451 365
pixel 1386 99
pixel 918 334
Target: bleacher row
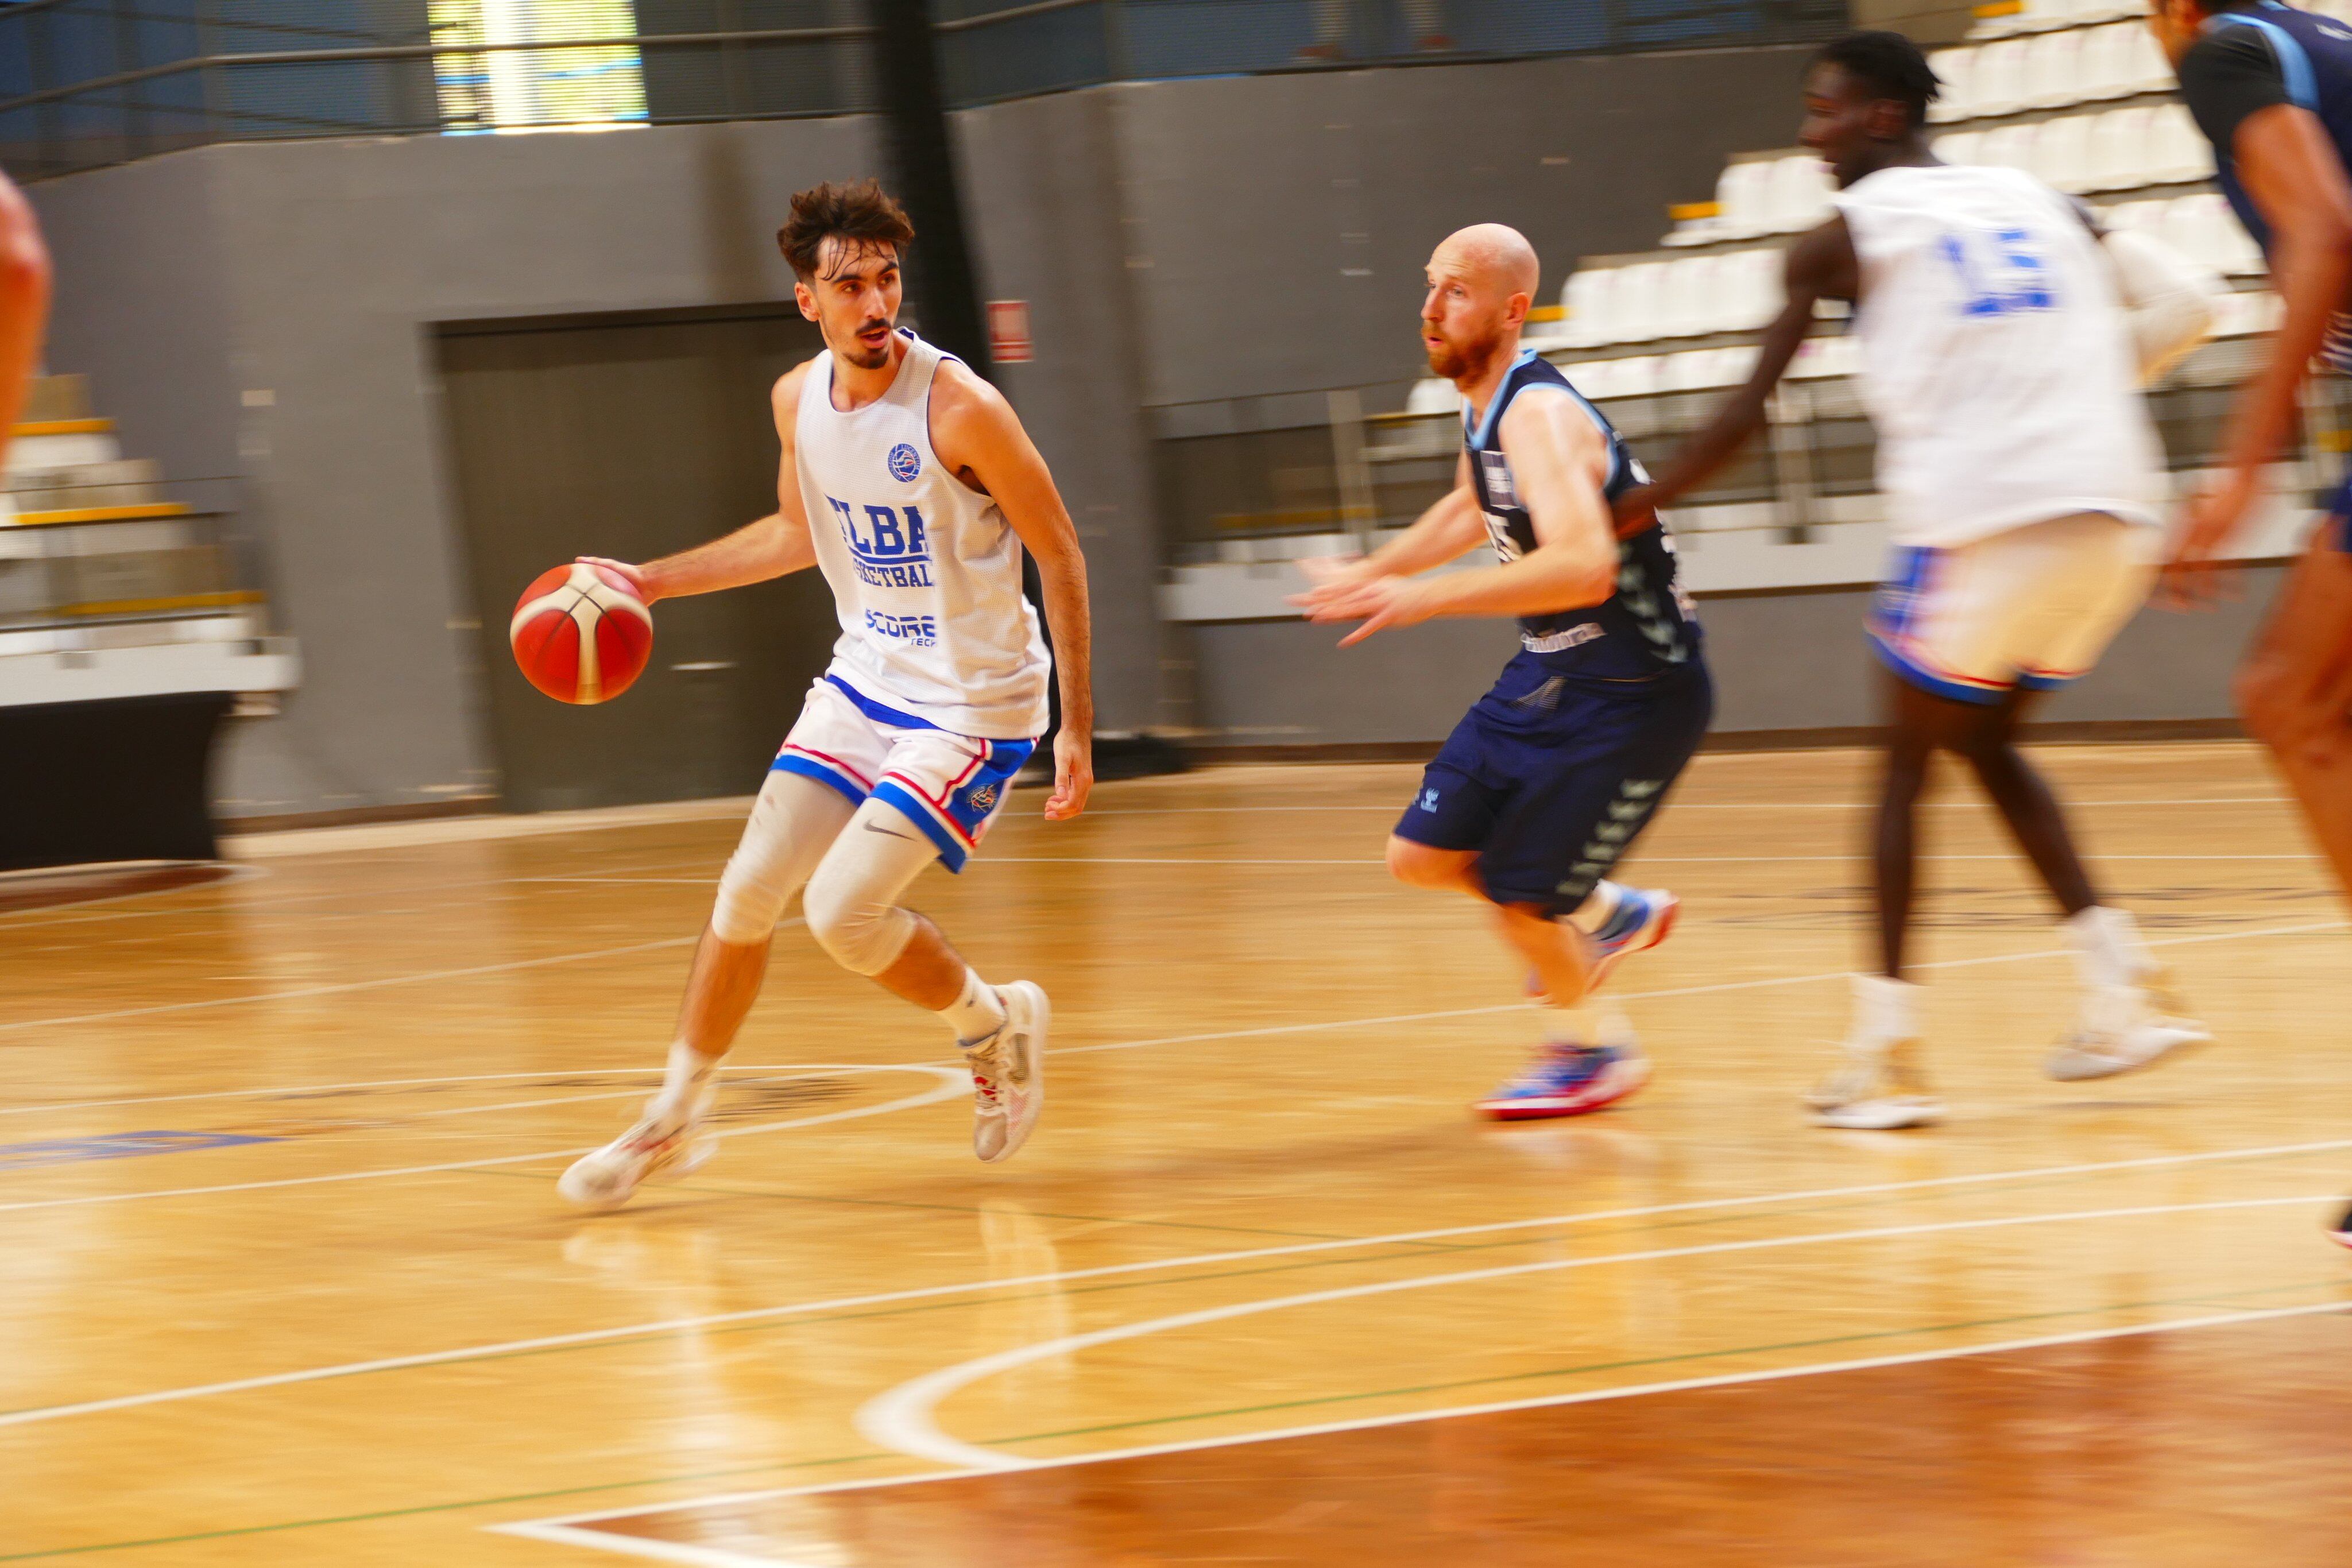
pixel 2036 88
pixel 108 590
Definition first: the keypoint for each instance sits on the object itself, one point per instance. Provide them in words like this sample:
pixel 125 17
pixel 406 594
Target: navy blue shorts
pixel 1551 781
pixel 2339 516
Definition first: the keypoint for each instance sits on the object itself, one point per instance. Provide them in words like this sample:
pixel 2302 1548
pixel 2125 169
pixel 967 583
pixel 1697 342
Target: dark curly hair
pixel 1889 64
pixel 860 214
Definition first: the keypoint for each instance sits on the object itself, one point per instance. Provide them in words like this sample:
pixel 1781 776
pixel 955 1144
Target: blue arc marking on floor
pixel 115 1147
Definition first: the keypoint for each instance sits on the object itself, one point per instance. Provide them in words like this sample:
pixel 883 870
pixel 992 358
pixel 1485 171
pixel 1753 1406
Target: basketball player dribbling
pixel 2271 87
pixel 23 306
pixel 2002 342
pixel 911 484
pixel 1555 772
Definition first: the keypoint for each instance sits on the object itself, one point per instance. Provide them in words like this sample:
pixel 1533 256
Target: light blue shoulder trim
pixel 1484 431
pixel 1600 422
pixel 2294 64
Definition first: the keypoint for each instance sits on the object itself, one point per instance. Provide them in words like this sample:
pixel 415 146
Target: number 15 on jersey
pixel 2002 271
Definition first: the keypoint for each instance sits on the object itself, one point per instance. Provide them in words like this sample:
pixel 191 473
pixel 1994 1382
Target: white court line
pixel 292 1089
pixel 1145 1266
pixel 344 986
pixel 1258 1032
pixel 954 1084
pixel 1675 805
pixel 2299 855
pixel 789 1070
pixel 563 1529
pixel 653 1550
pixel 903 1419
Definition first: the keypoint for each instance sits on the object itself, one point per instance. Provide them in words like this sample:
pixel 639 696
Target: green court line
pixel 442 1507
pixel 466 1504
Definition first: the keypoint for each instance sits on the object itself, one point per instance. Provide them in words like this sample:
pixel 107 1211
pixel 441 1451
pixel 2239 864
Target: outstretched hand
pixel 1074 775
pixel 1380 602
pixel 2196 577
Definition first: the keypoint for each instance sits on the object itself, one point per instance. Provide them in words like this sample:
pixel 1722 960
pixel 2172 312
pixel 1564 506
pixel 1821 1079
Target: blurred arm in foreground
pixel 23 306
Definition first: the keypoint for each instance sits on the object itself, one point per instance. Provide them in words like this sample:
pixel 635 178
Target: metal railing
pixel 88 83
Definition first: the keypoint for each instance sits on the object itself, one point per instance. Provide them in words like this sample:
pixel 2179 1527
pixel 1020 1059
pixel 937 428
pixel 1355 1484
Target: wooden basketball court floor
pixel 286 1279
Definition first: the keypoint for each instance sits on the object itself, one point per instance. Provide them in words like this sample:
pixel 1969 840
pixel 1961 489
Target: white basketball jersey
pixel 1995 360
pixel 926 573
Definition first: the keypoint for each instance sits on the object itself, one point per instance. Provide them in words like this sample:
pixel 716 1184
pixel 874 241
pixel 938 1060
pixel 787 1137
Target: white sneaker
pixel 657 1149
pixel 2126 1028
pixel 1008 1074
pixel 1877 1088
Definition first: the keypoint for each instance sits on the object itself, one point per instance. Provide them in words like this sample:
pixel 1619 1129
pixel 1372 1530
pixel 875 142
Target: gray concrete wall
pixel 1043 191
pixel 1278 226
pixel 258 316
pixel 1781 662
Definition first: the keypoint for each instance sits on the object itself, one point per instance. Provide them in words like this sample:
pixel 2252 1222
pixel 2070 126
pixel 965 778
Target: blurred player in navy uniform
pixel 2272 89
pixel 1554 773
pixel 23 306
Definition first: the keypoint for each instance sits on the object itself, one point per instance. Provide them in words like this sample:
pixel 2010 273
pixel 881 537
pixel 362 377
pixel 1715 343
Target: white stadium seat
pixel 2051 67
pixel 1959 146
pixel 1742 196
pixel 2062 154
pixel 1694 300
pixel 2108 62
pixel 1751 288
pixel 1800 193
pixel 2177 149
pixel 1998 84
pixel 1637 376
pixel 1590 299
pixel 1636 308
pixel 2150 72
pixel 2120 141
pixel 2008 147
pixel 1953 67
pixel 1432 396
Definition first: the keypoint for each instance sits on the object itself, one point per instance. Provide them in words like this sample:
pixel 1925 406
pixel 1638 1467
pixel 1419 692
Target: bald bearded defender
pixel 1555 772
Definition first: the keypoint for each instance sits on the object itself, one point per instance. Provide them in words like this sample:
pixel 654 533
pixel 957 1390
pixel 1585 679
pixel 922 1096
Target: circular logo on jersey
pixel 904 463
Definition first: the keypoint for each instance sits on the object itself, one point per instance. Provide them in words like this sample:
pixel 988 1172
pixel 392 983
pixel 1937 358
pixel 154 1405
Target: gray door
pixel 632 439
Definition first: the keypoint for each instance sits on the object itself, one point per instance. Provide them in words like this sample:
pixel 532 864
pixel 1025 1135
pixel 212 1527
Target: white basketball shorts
pixel 2032 607
pixel 951 786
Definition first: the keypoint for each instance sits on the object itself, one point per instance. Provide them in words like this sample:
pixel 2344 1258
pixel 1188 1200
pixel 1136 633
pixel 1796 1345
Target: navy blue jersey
pixel 2253 56
pixel 1644 629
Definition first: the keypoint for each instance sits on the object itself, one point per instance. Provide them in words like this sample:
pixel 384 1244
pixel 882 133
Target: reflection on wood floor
pixel 289 1282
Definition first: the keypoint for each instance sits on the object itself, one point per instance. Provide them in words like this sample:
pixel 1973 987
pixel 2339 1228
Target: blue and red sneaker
pixel 1644 918
pixel 1569 1081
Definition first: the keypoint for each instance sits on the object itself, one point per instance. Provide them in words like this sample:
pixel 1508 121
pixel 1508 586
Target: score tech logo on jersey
pixel 892 550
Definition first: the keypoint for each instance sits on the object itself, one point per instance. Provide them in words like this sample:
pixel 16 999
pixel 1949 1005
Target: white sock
pixel 1598 906
pixel 2109 949
pixel 690 1073
pixel 1886 1011
pixel 977 1014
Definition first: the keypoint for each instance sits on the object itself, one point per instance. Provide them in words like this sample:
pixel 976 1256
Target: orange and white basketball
pixel 580 634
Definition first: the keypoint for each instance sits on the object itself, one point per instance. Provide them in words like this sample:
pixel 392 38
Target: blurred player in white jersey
pixel 909 482
pixel 23 306
pixel 2003 340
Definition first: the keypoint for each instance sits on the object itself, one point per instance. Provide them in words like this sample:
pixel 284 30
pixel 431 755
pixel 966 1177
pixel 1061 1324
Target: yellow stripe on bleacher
pixel 228 600
pixel 1547 313
pixel 100 513
pixel 1691 212
pixel 1992 8
pixel 65 427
